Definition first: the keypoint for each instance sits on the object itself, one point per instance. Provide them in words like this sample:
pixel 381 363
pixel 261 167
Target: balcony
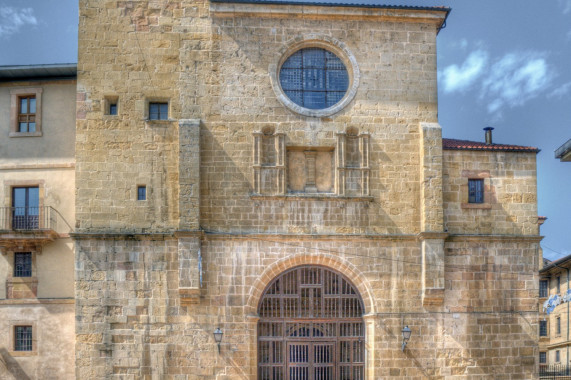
pixel 23 227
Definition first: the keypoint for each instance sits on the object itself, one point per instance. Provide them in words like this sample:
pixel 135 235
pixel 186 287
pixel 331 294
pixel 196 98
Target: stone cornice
pixel 38 301
pixel 484 237
pixel 121 236
pixel 345 11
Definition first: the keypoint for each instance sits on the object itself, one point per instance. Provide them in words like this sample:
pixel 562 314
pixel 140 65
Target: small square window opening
pixel 23 264
pixel 27 113
pixel 23 338
pixel 158 111
pixel 475 191
pixel 112 108
pixel 142 193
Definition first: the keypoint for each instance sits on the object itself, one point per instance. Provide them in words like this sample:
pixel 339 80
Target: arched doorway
pixel 311 327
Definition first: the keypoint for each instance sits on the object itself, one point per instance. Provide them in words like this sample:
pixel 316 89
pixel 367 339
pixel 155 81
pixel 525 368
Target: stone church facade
pixel 277 171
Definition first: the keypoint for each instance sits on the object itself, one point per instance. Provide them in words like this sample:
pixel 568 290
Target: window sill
pixel 160 122
pixel 26 134
pixel 481 206
pixel 23 353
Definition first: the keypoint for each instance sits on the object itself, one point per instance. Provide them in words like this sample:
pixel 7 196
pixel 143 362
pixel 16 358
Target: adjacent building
pixel 563 153
pixel 37 203
pixel 555 294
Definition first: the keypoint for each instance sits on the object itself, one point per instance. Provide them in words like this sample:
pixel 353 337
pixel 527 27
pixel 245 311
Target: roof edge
pixel 332 4
pixel 556 264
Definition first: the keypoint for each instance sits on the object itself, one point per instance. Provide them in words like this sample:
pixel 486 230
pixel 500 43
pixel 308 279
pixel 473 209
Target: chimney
pixel 488 135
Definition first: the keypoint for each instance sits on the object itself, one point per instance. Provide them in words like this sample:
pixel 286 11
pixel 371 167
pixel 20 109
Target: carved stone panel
pixel 310 170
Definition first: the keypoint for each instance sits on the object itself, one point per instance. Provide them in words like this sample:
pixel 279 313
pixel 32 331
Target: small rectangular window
pixel 557 356
pixel 112 108
pixel 158 111
pixel 543 287
pixel 475 191
pixel 558 326
pixel 23 338
pixel 27 113
pixel 558 284
pixel 542 328
pixel 142 193
pixel 542 357
pixel 22 264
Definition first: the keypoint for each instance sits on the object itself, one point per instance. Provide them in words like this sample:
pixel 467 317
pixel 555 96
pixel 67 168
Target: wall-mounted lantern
pixel 405 336
pixel 218 337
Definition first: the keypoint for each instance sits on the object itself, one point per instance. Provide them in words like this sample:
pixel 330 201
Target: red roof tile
pixel 453 144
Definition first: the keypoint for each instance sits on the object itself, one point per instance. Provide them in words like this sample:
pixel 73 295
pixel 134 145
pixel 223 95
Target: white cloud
pixel 12 19
pixel 456 78
pixel 566 5
pixel 515 79
pixel 560 91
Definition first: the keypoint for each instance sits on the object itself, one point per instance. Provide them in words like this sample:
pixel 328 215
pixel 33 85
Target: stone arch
pixel 330 261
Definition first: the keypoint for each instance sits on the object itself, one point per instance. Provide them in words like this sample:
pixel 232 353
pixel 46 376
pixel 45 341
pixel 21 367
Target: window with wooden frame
pixel 542 328
pixel 158 111
pixel 26 112
pixel 476 190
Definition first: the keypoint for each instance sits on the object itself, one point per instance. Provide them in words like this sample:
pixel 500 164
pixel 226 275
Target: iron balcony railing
pixel 28 218
pixel 554 371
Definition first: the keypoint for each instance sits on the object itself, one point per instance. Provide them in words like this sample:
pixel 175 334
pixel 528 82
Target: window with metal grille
pixel 543 286
pixel 23 338
pixel 543 357
pixel 27 113
pixel 23 264
pixel 542 328
pixel 158 111
pixel 314 78
pixel 475 191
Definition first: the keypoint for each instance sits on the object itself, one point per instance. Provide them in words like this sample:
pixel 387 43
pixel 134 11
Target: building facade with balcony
pixel 37 202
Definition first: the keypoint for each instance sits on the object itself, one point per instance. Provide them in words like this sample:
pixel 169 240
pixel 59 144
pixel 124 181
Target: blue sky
pixel 505 64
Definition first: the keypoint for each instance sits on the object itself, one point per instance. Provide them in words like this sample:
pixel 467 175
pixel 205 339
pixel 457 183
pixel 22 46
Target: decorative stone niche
pixel 269 162
pixel 310 170
pixel 352 167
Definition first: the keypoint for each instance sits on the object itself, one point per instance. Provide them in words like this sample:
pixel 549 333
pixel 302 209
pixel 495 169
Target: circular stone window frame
pixel 315 41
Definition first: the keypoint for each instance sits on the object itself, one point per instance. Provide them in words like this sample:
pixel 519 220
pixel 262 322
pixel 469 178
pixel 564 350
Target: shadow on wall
pixel 9 365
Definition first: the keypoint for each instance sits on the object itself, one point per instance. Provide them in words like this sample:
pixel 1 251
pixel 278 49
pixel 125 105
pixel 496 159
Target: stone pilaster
pixel 189 174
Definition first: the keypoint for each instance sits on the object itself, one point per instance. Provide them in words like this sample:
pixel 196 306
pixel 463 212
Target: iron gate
pixel 311 327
